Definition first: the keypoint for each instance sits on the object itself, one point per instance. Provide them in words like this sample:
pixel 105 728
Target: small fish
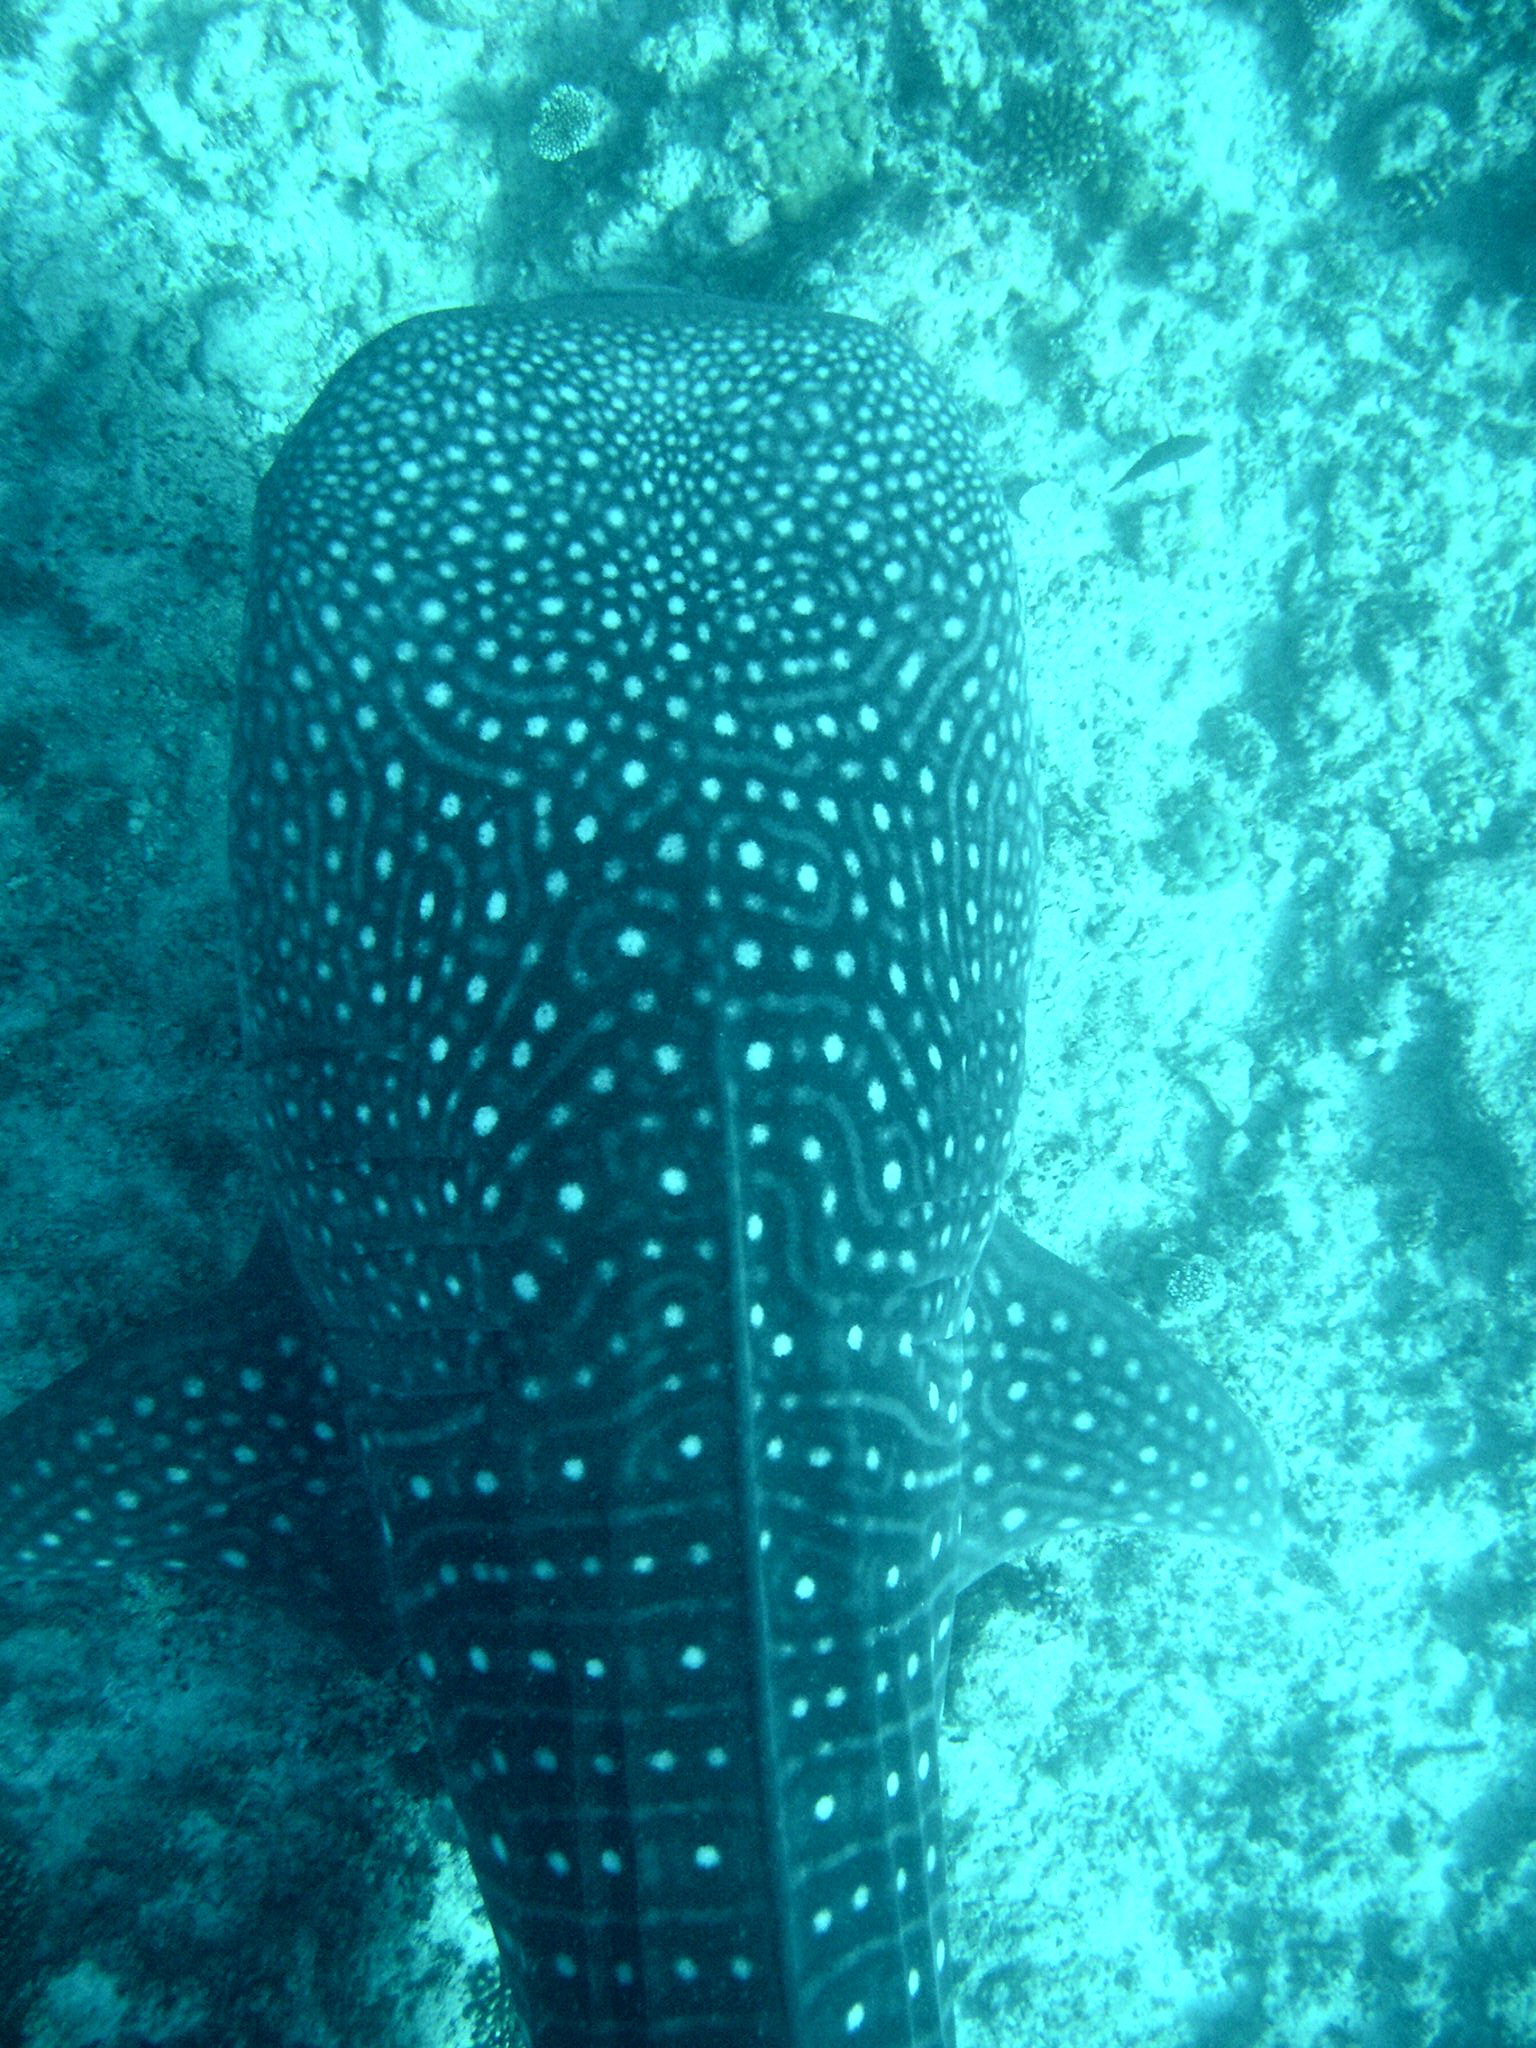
pixel 1177 449
pixel 635 841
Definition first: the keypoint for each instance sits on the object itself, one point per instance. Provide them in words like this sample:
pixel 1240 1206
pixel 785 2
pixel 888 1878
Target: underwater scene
pixel 741 1495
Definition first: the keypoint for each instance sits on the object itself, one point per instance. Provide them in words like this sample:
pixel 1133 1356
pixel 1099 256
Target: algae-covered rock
pixel 807 137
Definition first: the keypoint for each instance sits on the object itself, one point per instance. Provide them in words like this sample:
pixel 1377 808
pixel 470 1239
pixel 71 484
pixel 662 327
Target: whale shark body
pixel 635 843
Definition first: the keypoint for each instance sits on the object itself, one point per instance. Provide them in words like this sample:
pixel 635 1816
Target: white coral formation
pixel 567 120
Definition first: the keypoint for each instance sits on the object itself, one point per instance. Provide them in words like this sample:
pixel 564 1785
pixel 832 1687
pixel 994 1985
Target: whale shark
pixel 635 842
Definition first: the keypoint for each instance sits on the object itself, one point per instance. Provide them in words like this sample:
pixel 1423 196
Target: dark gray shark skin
pixel 635 845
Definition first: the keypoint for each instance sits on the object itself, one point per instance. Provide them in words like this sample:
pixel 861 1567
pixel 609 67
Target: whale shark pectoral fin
pixel 212 1439
pixel 1080 1412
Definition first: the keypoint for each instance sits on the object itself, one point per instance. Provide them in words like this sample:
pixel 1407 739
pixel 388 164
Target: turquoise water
pixel 1282 1026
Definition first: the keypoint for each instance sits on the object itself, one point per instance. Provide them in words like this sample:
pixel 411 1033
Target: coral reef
pixel 566 121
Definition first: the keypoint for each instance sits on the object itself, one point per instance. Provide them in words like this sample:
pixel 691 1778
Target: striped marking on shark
pixel 636 843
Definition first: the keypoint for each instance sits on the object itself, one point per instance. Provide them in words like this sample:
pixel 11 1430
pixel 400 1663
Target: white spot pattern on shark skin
pixel 807 1018
pixel 635 841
